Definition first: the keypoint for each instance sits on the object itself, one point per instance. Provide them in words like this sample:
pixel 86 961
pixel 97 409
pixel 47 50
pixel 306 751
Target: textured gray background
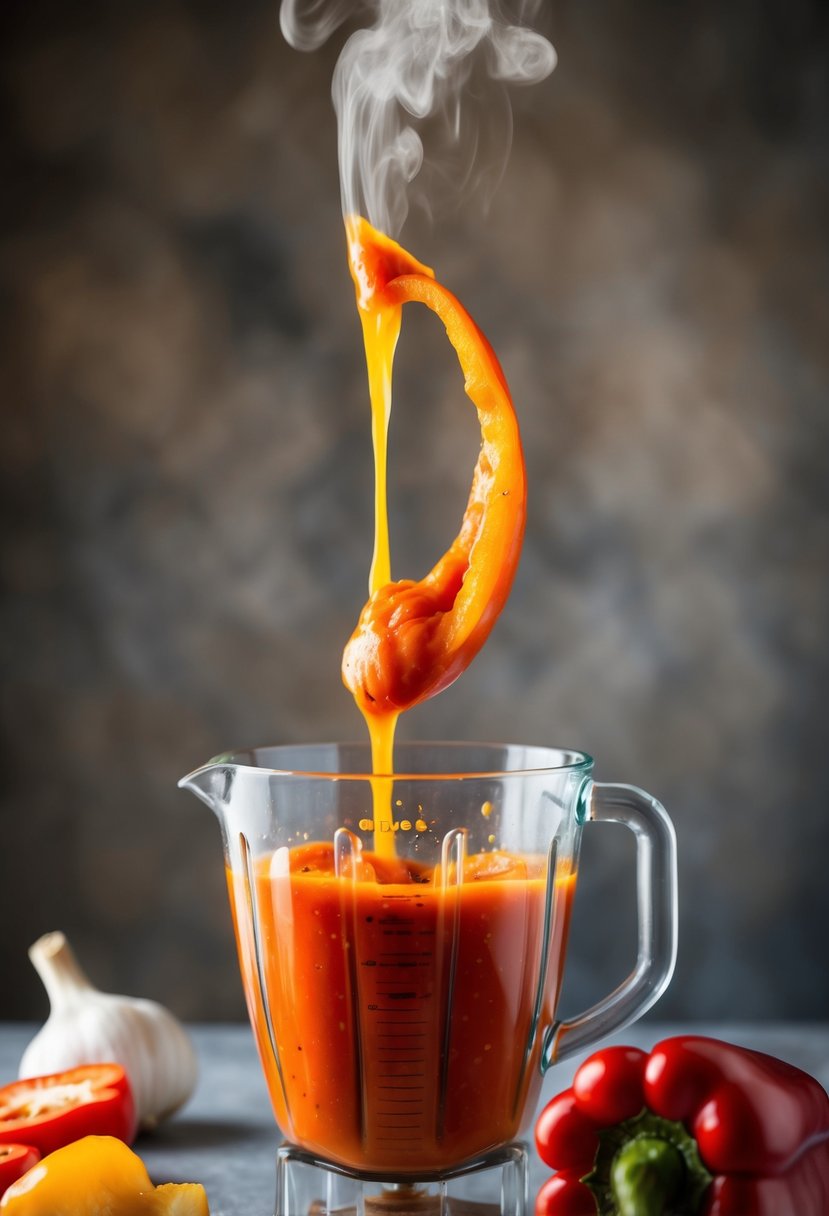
pixel 186 470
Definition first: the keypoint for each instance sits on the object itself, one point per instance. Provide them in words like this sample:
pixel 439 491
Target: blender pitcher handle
pixel 656 908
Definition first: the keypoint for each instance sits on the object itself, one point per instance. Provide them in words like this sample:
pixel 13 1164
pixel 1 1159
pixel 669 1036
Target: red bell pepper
pixel 15 1160
pixel 49 1112
pixel 697 1128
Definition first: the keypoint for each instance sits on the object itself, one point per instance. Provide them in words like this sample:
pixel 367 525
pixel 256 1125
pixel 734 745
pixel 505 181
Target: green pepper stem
pixel 646 1175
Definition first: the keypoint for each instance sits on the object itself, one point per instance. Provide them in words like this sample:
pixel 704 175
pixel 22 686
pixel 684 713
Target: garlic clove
pixel 86 1026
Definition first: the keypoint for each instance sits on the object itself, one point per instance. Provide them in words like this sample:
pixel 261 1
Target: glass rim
pixel 568 760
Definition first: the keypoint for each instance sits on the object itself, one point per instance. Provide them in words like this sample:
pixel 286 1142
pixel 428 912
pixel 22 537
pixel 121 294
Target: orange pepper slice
pixel 414 638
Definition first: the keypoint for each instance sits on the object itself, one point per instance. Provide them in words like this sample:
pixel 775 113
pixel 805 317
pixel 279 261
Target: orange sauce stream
pixel 381 329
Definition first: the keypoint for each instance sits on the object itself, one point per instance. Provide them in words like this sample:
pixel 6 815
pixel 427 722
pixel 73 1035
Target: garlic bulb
pixel 86 1026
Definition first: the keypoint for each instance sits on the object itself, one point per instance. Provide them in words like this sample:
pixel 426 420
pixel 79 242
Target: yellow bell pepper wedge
pixel 414 638
pixel 99 1176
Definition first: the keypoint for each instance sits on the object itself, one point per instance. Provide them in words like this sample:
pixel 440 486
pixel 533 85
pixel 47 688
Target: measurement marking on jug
pixel 389 983
pixel 373 1007
pixel 402 958
pixel 406 953
pixel 406 958
pixel 418 996
pixel 381 1008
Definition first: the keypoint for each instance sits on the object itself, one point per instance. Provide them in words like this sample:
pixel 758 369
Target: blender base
pixel 493 1185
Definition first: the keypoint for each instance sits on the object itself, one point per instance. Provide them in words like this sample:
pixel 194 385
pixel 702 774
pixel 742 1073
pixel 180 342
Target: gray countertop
pixel 226 1137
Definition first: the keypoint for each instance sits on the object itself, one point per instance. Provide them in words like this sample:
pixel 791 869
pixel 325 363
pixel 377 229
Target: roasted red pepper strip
pixel 697 1128
pixel 415 638
pixel 15 1160
pixel 49 1112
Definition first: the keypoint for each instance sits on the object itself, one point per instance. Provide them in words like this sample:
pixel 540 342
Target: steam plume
pixel 425 72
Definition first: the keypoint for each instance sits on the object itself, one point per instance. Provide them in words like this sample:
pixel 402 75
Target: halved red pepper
pixel 49 1112
pixel 697 1128
pixel 413 638
pixel 15 1160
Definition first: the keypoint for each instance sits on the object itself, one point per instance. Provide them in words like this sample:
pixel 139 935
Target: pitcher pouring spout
pixel 211 783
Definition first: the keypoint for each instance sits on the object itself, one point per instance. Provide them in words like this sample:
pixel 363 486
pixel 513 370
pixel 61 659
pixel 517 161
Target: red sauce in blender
pixel 402 1009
